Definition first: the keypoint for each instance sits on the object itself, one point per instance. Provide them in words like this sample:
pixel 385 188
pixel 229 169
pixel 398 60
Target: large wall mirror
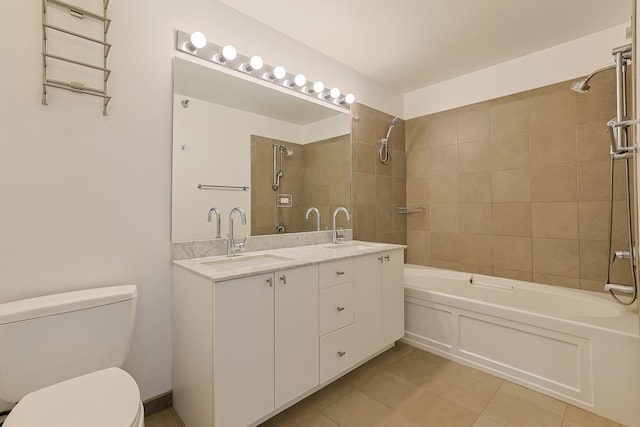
pixel 237 143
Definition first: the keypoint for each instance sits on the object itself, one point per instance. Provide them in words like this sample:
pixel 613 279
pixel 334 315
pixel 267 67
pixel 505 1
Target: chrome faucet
pixel 217 212
pixel 312 209
pixel 338 235
pixel 232 247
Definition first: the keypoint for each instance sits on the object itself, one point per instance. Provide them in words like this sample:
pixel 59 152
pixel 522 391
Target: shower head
pixel 394 122
pixel 582 86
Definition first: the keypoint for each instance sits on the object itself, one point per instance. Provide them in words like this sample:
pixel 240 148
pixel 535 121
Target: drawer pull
pixel 380 258
pixel 340 308
pixel 283 278
pixel 387 257
pixel 339 273
pixel 341 353
pixel 270 282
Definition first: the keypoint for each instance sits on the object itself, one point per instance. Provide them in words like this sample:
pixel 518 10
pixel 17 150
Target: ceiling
pixel 410 44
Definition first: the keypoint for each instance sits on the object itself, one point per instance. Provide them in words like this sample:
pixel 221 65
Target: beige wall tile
pixel 418 190
pixel 366 155
pixel 474 156
pixel 364 189
pixel 416 133
pixel 512 253
pixel 593 259
pixel 447 265
pixel 399 164
pixel 511 219
pixel 510 152
pixel 593 181
pixel 384 213
pixel 525 276
pixel 594 220
pixel 510 119
pixel 417 163
pixel 475 218
pixel 445 246
pixel 549 148
pixel 474 122
pixel 443 189
pixel 418 247
pixel 560 257
pixel 485 270
pixel 549 279
pixel 399 191
pixel 592 285
pixel 557 220
pixel 383 189
pixel 442 129
pixel 364 219
pixel 476 249
pixel 443 160
pixel 601 101
pixel 511 185
pixel 554 184
pixel 419 221
pixel 593 142
pixel 444 218
pixel 474 187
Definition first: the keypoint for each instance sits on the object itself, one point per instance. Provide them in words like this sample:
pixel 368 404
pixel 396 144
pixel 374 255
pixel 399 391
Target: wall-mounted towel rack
pixel 77 87
pixel 411 209
pixel 222 187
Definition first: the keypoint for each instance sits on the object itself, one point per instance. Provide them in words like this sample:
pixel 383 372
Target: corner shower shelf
pixel 77 87
pixel 411 209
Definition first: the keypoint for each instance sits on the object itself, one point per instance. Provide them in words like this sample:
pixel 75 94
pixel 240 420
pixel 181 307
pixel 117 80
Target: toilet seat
pixel 106 398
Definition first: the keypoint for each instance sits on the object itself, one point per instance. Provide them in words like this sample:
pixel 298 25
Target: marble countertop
pixel 221 268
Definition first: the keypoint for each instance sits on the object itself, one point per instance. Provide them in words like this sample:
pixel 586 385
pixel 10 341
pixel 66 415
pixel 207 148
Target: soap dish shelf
pixel 411 210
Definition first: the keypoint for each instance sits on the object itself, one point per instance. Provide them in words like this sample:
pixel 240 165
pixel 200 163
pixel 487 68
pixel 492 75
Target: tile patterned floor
pixel 407 387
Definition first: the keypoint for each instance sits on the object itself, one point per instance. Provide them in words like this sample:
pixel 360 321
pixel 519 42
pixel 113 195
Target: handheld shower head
pixel 385 154
pixel 394 122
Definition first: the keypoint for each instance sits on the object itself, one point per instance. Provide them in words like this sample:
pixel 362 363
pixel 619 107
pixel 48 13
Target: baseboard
pixel 158 403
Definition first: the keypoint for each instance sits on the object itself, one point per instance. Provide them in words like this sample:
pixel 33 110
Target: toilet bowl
pixel 60 358
pixel 106 398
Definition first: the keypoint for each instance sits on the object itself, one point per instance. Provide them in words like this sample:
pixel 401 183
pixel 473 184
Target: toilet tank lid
pixel 49 305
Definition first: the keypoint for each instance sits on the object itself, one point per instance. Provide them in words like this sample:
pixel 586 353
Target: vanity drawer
pixel 336 307
pixel 337 353
pixel 336 272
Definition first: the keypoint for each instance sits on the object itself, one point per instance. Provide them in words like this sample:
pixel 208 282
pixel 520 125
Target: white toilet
pixel 60 358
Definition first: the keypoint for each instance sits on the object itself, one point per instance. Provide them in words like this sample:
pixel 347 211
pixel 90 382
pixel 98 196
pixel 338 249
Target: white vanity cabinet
pixel 246 347
pixel 379 292
pixel 243 347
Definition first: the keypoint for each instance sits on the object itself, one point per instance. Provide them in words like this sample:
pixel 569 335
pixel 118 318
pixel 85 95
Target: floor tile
pixel 537 399
pixel 465 386
pixel 356 409
pixel 418 367
pixel 486 422
pixel 163 418
pixel 576 417
pixel 319 420
pixel 429 409
pixel 509 411
pixel 389 389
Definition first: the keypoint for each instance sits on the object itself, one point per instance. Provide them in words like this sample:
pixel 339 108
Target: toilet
pixel 60 359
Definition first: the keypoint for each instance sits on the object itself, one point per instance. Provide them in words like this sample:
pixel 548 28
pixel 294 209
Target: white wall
pixel 563 62
pixel 86 198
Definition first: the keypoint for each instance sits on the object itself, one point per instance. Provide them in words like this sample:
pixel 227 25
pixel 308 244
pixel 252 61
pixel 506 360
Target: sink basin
pixel 240 261
pixel 354 246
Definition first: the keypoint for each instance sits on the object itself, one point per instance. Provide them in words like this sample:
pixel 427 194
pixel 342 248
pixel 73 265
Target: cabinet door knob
pixel 283 278
pixel 270 282
pixel 341 353
pixel 387 257
pixel 380 258
pixel 339 273
pixel 340 308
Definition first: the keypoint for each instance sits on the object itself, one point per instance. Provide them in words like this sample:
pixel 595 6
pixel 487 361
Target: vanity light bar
pixel 196 44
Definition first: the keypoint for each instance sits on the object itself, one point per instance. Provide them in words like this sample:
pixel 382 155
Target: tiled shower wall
pixel 517 187
pixel 377 188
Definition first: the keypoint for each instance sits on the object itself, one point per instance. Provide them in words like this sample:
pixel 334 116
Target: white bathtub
pixel 577 346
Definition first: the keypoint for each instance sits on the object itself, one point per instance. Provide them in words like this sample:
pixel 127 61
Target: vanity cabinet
pixel 379 292
pixel 244 348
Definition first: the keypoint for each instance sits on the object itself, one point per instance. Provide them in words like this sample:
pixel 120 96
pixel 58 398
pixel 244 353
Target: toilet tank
pixel 49 339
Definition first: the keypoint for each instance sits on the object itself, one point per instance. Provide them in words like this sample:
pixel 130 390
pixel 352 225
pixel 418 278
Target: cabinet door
pixel 368 311
pixel 392 278
pixel 243 355
pixel 296 333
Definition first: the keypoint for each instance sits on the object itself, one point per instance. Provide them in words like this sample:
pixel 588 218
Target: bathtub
pixel 577 346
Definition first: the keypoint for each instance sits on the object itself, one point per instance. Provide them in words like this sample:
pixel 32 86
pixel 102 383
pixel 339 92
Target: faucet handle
pixel 240 246
pixel 340 234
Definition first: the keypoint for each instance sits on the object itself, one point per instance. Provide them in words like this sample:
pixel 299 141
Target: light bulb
pixel 318 87
pixel 279 72
pixel 197 41
pixel 229 52
pixel 334 93
pixel 349 98
pixel 256 62
pixel 300 80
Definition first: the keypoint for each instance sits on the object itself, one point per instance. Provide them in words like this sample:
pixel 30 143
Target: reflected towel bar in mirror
pixel 223 187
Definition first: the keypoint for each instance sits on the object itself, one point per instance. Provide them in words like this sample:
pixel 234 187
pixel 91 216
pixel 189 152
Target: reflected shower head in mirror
pixel 385 153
